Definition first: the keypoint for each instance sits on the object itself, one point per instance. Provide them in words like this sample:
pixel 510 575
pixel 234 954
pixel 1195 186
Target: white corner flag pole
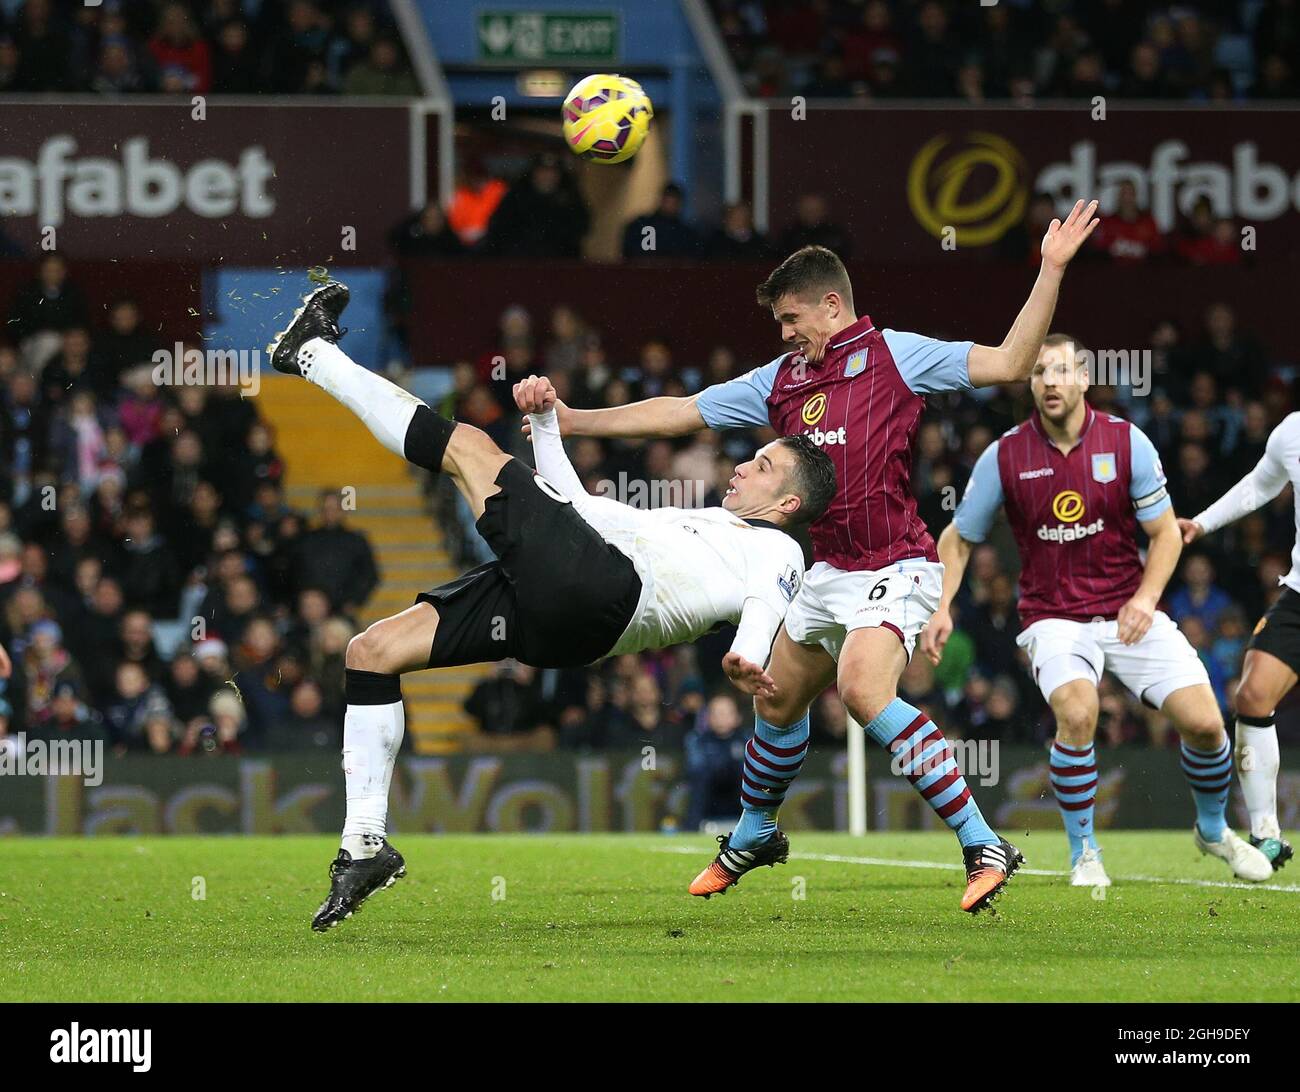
pixel 857 746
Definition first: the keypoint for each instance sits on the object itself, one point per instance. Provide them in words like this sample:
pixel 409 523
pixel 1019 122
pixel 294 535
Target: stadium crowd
pixel 223 47
pixel 1022 50
pixel 147 555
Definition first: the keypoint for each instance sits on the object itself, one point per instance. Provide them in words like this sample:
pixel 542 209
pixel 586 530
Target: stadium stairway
pixel 325 447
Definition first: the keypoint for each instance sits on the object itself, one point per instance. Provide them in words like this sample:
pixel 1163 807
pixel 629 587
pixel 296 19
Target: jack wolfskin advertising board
pixel 556 792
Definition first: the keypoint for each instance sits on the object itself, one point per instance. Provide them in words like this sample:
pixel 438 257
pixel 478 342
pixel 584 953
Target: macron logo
pixel 121 1045
pixel 1041 472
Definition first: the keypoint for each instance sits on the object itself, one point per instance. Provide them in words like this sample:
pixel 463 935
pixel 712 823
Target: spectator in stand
pixel 294 46
pixel 188 690
pixel 831 81
pixel 714 757
pixel 1199 597
pixel 77 442
pixel 70 369
pixel 150 574
pixel 931 55
pixel 813 227
pixel 1129 235
pixel 1145 78
pixel 872 39
pixel 336 559
pixel 425 234
pixel 542 216
pixel 650 721
pixel 568 338
pixel 118 71
pixel 70 718
pixel 307 727
pixel 1208 240
pixel 1276 79
pixel 11 74
pixel 120 347
pixel 43 308
pixel 46 664
pixel 235 68
pixel 178 46
pixel 354 44
pixel 43 49
pixel 1234 358
pixel 135 702
pixel 222 733
pixel 994 626
pixel 475 200
pixel 736 239
pixel 662 233
pixel 383 72
pixel 508 701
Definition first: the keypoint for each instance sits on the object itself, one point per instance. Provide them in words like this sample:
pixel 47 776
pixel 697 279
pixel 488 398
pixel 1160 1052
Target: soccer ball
pixel 606 118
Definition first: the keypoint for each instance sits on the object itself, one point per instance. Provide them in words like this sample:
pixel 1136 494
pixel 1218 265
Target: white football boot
pixel 1246 862
pixel 1088 871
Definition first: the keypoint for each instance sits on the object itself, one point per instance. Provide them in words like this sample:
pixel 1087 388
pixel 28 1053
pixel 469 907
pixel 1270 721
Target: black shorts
pixel 559 595
pixel 1278 632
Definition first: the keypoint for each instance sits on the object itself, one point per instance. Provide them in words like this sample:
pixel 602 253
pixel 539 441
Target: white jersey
pixel 699 567
pixel 1280 464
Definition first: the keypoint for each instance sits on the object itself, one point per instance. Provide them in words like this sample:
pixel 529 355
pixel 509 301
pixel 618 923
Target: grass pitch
pixel 598 918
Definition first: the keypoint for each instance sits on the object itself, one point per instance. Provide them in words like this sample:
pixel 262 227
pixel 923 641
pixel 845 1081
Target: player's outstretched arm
pixel 954 553
pixel 1257 488
pixel 535 396
pixel 1013 360
pixel 755 633
pixel 652 417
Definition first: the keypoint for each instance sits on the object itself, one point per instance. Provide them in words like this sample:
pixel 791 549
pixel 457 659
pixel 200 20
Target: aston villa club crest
pixel 857 364
pixel 1103 467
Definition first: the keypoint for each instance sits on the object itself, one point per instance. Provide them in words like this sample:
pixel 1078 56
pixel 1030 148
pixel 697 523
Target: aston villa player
pixel 858 391
pixel 1075 484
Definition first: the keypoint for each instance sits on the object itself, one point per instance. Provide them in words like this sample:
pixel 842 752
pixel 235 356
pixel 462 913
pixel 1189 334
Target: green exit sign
pixel 552 37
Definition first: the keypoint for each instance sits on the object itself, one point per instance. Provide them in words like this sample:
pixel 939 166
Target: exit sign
pixel 551 37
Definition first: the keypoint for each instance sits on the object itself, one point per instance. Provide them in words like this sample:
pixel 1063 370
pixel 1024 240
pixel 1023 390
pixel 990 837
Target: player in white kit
pixel 578 578
pixel 1272 663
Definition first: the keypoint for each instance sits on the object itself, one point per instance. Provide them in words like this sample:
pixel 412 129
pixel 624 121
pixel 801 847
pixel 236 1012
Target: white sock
pixel 372 736
pixel 384 408
pixel 1258 761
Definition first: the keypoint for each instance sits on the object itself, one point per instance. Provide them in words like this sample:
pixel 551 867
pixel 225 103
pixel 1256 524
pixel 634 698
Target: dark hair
pixel 813 478
pixel 1054 341
pixel 809 271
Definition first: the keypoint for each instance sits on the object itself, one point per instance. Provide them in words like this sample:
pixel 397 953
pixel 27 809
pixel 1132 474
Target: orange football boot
pixel 988 868
pixel 730 864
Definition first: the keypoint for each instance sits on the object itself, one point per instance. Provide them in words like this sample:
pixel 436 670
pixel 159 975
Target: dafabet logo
pixel 814 409
pixel 977 188
pixel 1067 506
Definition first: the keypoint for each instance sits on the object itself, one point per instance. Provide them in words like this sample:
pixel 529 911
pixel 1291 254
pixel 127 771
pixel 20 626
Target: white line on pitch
pixel 887 862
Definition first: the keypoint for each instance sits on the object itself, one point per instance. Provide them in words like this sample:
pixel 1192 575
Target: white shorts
pixel 1061 651
pixel 832 603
